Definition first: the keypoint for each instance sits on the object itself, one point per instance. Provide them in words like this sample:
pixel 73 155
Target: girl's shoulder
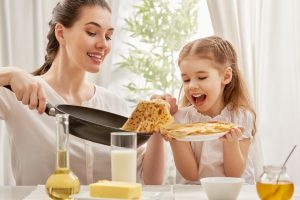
pixel 184 114
pixel 245 118
pixel 242 114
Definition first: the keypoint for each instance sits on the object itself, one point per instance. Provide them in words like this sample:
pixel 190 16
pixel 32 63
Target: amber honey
pixel 280 191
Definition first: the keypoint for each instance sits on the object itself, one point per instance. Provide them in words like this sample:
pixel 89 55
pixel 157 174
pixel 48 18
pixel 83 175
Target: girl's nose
pixel 193 85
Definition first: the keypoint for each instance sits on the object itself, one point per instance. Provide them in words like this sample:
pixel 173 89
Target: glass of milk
pixel 123 156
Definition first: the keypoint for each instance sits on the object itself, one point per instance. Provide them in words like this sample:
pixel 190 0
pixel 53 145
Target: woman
pixel 79 40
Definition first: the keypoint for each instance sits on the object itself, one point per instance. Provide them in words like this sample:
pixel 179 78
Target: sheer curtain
pixel 24 26
pixel 266 35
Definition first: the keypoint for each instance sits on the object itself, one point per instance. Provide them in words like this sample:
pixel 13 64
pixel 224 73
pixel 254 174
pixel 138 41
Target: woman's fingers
pixel 41 100
pixel 33 99
pixel 28 90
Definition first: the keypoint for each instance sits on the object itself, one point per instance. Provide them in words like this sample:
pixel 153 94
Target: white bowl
pixel 225 188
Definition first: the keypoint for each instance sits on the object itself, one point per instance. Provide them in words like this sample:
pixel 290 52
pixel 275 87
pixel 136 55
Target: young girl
pixel 214 91
pixel 79 40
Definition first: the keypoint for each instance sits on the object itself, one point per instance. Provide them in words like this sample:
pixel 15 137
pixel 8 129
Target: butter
pixel 114 189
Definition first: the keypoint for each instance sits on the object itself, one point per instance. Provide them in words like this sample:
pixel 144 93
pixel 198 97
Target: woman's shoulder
pixel 107 100
pixel 108 95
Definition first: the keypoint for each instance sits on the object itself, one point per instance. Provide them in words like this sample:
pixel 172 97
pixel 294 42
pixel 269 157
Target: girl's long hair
pixel 66 12
pixel 221 51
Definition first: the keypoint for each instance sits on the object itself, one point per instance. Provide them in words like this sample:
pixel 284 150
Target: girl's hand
pixel 232 135
pixel 28 90
pixel 166 137
pixel 171 100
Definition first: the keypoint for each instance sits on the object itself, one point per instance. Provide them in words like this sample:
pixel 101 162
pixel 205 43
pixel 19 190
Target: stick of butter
pixel 114 189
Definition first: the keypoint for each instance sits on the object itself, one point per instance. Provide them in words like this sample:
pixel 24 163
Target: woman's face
pixel 203 84
pixel 87 42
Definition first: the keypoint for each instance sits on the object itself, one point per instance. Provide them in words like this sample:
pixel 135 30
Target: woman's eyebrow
pixel 98 25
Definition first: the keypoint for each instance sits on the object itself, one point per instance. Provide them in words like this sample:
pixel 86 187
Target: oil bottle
pixel 63 182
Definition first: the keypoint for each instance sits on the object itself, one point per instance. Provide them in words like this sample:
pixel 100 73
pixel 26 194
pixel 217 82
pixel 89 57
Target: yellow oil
pixel 280 191
pixel 62 183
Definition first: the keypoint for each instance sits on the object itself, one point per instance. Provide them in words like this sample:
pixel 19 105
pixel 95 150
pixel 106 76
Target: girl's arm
pixel 154 161
pixel 154 158
pixel 185 160
pixel 235 153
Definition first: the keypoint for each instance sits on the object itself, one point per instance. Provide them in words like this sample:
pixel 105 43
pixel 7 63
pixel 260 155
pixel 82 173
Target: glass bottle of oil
pixel 275 184
pixel 63 182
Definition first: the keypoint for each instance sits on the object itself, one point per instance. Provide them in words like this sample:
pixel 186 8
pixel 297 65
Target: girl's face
pixel 87 42
pixel 203 84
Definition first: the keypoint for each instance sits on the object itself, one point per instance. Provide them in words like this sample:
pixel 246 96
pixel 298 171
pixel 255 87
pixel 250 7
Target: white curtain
pixel 266 35
pixel 24 26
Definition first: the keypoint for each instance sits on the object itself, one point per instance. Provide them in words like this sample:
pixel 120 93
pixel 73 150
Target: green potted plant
pixel 159 29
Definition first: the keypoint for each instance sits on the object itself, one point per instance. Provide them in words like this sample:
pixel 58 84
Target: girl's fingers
pixel 233 135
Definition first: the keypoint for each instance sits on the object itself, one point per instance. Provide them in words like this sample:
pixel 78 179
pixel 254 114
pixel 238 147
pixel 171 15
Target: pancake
pixel 198 128
pixel 149 116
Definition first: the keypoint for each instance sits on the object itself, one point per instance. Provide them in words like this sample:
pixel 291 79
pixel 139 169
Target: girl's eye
pixel 186 81
pixel 108 38
pixel 202 78
pixel 90 33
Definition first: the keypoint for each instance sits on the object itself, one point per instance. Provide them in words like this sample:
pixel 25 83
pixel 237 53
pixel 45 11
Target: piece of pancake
pixel 149 116
pixel 198 128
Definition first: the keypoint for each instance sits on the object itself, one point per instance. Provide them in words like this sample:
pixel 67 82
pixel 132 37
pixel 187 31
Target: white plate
pixel 207 137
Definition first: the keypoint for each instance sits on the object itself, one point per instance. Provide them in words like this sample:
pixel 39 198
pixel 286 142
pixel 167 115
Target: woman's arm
pixel 185 160
pixel 154 161
pixel 235 153
pixel 25 86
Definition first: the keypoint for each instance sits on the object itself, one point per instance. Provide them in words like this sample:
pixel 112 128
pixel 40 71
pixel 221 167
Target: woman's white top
pixel 33 139
pixel 210 153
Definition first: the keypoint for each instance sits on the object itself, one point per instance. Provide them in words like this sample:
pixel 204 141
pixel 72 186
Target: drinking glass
pixel 123 156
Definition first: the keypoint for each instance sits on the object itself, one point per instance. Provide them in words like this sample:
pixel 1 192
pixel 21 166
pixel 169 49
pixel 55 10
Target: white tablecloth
pixel 176 192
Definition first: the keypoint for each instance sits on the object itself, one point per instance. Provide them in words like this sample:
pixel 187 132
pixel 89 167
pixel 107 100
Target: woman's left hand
pixel 232 135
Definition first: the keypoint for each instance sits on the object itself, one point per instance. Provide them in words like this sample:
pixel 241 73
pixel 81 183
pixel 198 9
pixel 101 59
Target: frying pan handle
pixel 50 110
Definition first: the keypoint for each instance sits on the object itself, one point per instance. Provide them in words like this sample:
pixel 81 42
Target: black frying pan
pixel 92 124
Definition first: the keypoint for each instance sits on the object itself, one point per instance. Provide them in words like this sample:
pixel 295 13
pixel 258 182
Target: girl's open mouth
pixel 199 99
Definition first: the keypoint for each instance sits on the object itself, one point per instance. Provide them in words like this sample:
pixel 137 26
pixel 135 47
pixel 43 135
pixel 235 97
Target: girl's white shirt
pixel 210 153
pixel 33 139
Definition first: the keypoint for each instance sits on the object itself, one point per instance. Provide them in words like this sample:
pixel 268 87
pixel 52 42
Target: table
pixel 176 192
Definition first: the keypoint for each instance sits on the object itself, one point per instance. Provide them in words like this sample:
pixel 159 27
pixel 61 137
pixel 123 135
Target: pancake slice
pixel 149 116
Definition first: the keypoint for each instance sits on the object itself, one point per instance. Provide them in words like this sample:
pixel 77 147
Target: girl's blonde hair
pixel 222 52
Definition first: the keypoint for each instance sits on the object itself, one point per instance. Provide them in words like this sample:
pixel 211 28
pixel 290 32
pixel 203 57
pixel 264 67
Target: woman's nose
pixel 102 43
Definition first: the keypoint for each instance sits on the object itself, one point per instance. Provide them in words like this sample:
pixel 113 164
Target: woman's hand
pixel 232 135
pixel 28 90
pixel 171 100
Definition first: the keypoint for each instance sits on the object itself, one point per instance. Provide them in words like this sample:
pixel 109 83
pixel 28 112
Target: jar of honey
pixel 275 184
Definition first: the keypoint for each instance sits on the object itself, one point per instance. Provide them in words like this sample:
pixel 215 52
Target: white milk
pixel 123 165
